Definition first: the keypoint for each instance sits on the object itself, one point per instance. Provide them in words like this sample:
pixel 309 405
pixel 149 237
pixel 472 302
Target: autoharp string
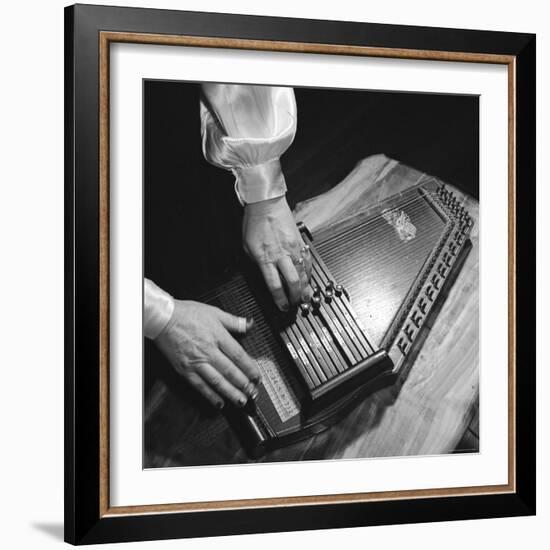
pixel 359 230
pixel 331 246
pixel 415 201
pixel 376 244
pixel 240 295
pixel 375 247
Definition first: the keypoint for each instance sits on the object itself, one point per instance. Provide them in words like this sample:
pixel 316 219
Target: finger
pixel 208 393
pixel 220 385
pixel 237 325
pixel 240 358
pixel 291 277
pixel 234 375
pixel 274 284
pixel 308 261
pixel 304 285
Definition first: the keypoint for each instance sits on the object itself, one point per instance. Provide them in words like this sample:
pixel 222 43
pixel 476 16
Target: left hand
pixel 272 240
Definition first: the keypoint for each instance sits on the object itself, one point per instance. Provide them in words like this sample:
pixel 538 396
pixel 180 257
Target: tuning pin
pixel 402 344
pixel 338 289
pixel 430 293
pixel 306 308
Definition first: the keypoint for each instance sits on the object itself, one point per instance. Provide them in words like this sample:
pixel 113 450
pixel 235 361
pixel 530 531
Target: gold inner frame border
pixel 108 37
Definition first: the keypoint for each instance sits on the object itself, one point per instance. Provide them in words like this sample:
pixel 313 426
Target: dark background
pixel 192 219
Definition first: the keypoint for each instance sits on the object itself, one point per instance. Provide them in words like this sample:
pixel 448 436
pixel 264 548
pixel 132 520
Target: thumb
pixel 237 325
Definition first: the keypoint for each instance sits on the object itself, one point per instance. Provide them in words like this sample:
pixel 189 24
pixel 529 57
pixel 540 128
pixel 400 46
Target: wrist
pixel 158 309
pixel 266 207
pixel 260 182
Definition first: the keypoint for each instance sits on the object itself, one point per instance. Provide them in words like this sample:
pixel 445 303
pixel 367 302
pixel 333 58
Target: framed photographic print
pixel 299 274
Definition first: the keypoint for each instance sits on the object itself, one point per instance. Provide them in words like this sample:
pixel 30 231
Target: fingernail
pixel 249 323
pixel 241 401
pixel 254 394
pixel 251 390
pixel 219 404
pixel 283 307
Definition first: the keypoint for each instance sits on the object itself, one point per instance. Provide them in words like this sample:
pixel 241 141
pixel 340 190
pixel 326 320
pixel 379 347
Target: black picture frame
pixel 84 521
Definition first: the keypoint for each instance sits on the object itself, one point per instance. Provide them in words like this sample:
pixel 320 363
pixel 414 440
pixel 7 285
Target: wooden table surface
pixel 428 414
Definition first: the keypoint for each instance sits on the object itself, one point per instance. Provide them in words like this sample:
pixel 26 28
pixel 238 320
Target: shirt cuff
pixel 158 307
pixel 259 182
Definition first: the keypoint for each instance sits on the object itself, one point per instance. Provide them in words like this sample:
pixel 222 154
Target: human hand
pixel 272 240
pixel 198 344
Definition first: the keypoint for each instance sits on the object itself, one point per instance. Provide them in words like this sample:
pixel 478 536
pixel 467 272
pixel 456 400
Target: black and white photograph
pixel 310 273
pixel 299 274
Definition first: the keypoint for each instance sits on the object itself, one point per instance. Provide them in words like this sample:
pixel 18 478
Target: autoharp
pixel 379 278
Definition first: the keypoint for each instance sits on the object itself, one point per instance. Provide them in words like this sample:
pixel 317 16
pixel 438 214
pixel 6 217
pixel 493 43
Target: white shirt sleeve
pixel 246 129
pixel 158 307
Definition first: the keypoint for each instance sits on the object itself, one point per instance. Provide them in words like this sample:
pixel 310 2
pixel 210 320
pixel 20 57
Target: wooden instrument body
pixel 365 189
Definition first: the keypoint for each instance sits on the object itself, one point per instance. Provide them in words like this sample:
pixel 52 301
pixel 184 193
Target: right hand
pixel 198 344
pixel 272 240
